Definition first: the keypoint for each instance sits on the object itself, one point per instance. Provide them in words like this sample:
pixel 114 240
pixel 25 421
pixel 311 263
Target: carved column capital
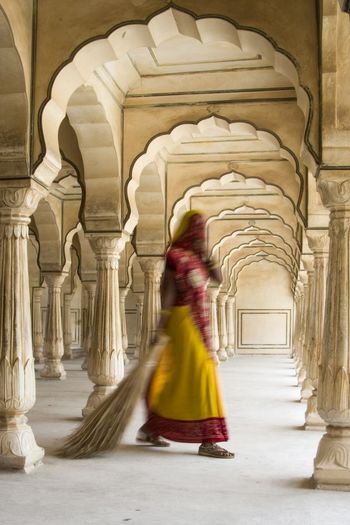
pixel 308 262
pixel 107 249
pixel 123 292
pixel 318 241
pixel 222 298
pixel 213 293
pixel 54 279
pixel 334 188
pixel 90 287
pixel 151 265
pixel 19 202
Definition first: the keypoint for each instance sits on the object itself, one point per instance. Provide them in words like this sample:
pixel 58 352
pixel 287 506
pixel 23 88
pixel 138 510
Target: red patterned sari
pixel 183 397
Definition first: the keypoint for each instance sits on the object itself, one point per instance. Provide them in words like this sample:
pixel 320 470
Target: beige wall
pixel 264 310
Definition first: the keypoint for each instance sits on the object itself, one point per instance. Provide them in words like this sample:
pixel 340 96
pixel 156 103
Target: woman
pixel 183 399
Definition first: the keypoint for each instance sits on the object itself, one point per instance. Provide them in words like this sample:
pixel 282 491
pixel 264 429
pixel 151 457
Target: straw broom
pixel 104 427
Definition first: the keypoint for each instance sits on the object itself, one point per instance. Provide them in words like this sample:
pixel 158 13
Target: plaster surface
pixel 267 483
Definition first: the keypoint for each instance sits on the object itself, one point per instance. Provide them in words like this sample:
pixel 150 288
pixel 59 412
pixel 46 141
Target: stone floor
pixel 268 482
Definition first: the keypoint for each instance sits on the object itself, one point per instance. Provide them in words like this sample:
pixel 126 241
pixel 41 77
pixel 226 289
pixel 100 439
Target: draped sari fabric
pixel 183 397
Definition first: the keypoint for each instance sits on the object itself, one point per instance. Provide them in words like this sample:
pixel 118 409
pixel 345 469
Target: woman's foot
pixel 155 441
pixel 213 450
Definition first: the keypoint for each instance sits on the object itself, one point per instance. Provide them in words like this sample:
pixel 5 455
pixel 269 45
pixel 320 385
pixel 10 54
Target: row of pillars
pixel 18 448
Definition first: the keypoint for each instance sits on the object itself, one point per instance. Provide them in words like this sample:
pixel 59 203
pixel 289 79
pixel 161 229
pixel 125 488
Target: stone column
pixel 332 462
pixel 105 363
pixel 306 386
pixel 318 242
pixel 123 292
pixel 221 302
pixel 230 318
pixel 54 348
pixel 18 448
pixel 90 287
pixel 304 290
pixel 67 327
pixel 139 308
pixel 153 269
pixel 38 337
pixel 212 296
pixel 296 333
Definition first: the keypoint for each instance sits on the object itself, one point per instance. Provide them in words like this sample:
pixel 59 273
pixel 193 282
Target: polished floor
pixel 267 483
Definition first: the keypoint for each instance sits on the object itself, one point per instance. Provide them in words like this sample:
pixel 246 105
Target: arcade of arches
pixel 118 116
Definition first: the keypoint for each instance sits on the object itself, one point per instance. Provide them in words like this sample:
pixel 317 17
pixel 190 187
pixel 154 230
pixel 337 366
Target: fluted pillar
pixel 90 287
pixel 53 347
pixel 38 336
pixel 18 448
pixel 306 386
pixel 222 325
pixel 230 320
pixel 296 332
pixel 212 297
pixel 332 462
pixel 123 292
pixel 304 288
pixel 67 327
pixel 318 242
pixel 139 309
pixel 105 362
pixel 152 268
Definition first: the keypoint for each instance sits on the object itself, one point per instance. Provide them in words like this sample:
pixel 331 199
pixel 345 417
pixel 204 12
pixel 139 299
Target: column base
pixel 313 420
pixel 306 390
pixel 18 448
pixel 38 357
pixel 68 353
pixel 53 369
pixel 84 364
pixel 96 397
pixel 222 354
pixel 301 376
pixel 230 351
pixel 332 461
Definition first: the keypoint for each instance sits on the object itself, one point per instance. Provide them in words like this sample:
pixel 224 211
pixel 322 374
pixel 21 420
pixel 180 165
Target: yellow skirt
pixel 183 397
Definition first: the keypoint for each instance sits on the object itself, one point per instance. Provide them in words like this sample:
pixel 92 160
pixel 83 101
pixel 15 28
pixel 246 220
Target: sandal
pixel 213 450
pixel 155 441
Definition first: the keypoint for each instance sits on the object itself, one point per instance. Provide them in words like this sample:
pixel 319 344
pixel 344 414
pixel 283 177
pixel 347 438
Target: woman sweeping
pixel 183 398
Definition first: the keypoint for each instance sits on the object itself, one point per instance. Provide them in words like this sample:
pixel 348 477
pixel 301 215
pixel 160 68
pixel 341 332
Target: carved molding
pixel 20 201
pixel 222 326
pixel 333 390
pixel 230 321
pixel 105 361
pixel 152 268
pixel 318 241
pixel 17 379
pixel 335 193
pixel 334 450
pixel 54 347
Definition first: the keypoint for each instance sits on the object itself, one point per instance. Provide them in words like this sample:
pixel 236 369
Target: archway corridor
pixel 117 118
pixel 268 481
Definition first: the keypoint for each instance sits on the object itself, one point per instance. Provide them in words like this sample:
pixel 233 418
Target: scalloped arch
pixel 182 204
pixel 253 259
pixel 162 27
pixel 252 245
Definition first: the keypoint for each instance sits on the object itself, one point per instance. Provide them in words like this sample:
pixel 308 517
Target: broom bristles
pixel 103 429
